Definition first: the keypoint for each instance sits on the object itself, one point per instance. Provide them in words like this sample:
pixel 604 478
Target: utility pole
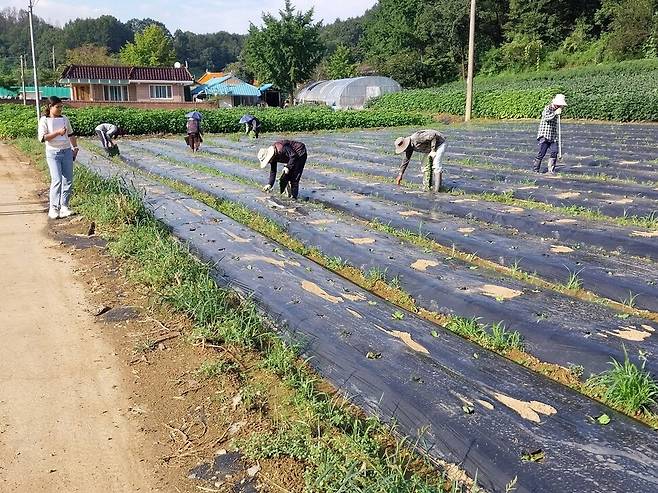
pixel 23 95
pixel 471 57
pixel 34 64
pixel 54 60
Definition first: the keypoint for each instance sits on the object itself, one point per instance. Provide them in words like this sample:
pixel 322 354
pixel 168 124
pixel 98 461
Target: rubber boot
pixel 438 181
pixel 428 175
pixel 551 165
pixel 536 165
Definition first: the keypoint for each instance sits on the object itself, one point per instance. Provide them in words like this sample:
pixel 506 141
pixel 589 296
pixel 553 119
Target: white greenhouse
pixel 347 93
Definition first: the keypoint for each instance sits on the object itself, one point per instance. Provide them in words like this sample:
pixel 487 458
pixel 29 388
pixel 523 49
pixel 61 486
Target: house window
pixel 115 93
pixel 161 92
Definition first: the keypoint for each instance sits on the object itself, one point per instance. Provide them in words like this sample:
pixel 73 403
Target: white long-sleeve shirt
pixel 107 128
pixel 49 125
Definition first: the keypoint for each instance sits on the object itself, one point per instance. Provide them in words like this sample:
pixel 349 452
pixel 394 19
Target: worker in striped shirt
pixel 547 135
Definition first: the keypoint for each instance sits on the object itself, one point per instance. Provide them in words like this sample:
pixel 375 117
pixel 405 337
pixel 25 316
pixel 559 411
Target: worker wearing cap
pixel 293 154
pixel 430 142
pixel 547 135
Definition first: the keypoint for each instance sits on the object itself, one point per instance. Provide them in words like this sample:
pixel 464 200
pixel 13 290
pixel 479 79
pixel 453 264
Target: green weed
pixel 574 282
pixel 215 368
pixel 626 385
pixel 254 397
pixel 498 338
pixel 376 274
pixel 630 300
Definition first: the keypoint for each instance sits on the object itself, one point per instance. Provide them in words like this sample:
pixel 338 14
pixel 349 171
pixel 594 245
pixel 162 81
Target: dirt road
pixel 64 423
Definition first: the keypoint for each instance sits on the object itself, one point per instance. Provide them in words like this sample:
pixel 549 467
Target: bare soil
pixel 99 386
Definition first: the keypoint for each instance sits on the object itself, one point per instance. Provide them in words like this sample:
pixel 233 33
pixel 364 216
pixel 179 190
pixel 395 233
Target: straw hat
pixel 559 100
pixel 401 144
pixel 265 155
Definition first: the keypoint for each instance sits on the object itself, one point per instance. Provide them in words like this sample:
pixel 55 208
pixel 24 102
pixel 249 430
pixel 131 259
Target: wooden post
pixel 471 58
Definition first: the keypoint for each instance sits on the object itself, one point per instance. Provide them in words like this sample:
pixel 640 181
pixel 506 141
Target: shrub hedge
pixel 19 121
pixel 623 91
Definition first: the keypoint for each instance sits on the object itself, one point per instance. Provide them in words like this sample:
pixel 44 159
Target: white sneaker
pixel 53 213
pixel 65 211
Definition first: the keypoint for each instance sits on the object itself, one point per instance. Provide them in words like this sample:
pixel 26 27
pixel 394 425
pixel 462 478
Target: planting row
pixel 555 328
pixel 495 418
pixel 537 222
pixel 612 276
pixel 605 198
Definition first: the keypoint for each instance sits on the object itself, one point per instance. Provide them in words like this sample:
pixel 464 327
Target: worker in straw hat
pixel 548 134
pixel 293 154
pixel 429 142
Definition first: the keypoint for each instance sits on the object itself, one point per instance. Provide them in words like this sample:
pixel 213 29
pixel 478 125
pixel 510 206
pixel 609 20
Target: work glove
pixel 267 188
pixel 398 180
pixel 558 111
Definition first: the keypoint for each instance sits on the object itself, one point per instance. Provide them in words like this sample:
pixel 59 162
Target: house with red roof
pixel 130 84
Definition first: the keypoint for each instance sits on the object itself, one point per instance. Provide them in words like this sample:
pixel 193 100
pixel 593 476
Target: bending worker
pixel 428 142
pixel 293 154
pixel 106 132
pixel 251 124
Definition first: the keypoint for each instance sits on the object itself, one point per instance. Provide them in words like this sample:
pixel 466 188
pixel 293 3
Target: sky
pixel 215 15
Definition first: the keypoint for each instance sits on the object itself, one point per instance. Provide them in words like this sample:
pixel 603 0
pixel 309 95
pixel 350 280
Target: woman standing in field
pixel 61 148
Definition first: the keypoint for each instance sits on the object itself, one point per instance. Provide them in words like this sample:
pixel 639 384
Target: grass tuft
pixel 626 386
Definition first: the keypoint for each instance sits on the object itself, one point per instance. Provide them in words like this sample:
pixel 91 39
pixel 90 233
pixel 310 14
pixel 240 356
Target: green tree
pixel 207 51
pixel 549 21
pixel 340 64
pixel 152 48
pixel 106 30
pixel 418 43
pixel 286 50
pixel 15 39
pixel 8 80
pixel 138 25
pixel 632 27
pixel 349 32
pixel 238 69
pixel 49 77
pixel 89 54
pixel 392 29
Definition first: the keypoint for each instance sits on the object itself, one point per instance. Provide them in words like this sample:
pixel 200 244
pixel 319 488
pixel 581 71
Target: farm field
pixel 475 314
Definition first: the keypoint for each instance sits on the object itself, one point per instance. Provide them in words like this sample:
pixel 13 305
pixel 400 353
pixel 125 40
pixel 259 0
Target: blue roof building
pixel 229 90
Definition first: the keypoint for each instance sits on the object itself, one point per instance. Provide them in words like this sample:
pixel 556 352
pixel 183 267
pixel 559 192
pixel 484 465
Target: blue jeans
pixel 60 165
pixel 544 146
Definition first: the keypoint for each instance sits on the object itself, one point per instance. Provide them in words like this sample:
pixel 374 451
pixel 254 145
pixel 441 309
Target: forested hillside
pixel 100 41
pixel 420 43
